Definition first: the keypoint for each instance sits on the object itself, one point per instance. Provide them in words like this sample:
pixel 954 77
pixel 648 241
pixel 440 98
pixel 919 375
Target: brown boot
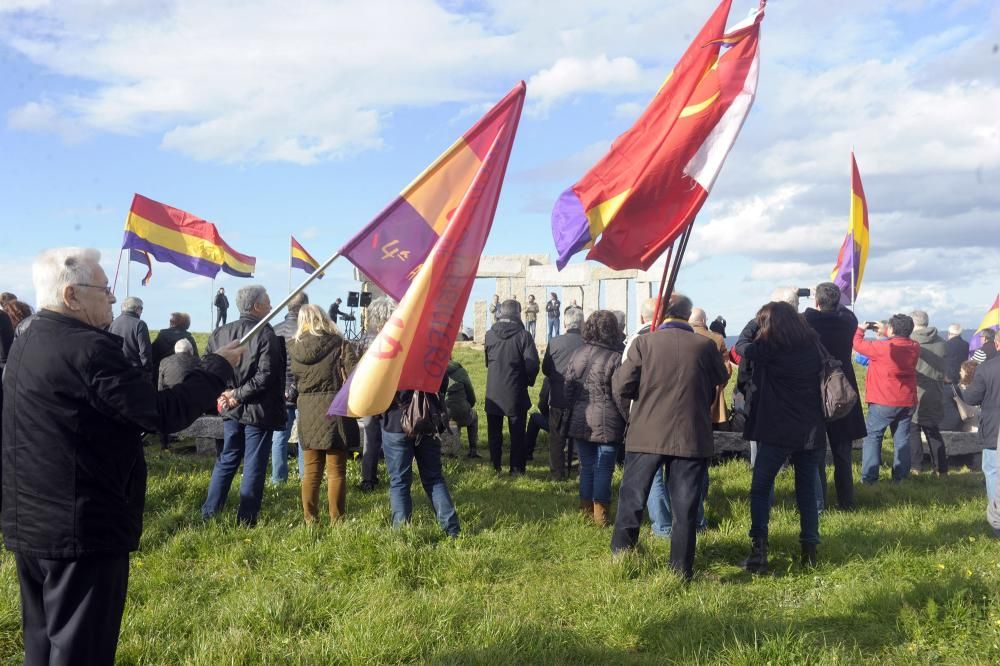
pixel 587 507
pixel 601 514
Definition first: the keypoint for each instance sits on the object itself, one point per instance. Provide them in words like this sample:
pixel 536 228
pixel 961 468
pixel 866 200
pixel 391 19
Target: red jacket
pixel 892 371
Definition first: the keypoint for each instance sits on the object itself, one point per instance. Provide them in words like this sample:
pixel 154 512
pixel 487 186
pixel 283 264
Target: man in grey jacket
pixel 931 373
pixel 134 333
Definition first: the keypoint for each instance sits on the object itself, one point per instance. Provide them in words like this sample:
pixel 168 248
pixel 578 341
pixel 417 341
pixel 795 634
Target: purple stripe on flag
pixel 570 227
pixel 299 263
pixel 392 247
pixel 226 268
pixel 844 270
pixel 339 405
pixel 183 261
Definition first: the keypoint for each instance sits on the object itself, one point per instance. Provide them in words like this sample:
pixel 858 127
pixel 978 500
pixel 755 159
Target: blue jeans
pixel 553 329
pixel 658 505
pixel 279 449
pixel 399 454
pixel 990 458
pixel 251 445
pixel 531 326
pixel 897 419
pixel 770 458
pixel 597 466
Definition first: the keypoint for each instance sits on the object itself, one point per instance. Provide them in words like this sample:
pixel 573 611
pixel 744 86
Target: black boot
pixel 808 554
pixel 756 561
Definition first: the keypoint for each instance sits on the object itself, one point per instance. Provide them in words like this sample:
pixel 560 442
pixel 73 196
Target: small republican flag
pixel 304 260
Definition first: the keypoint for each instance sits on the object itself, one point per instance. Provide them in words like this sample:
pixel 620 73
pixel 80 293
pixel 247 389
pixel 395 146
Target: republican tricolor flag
pixel 413 349
pixel 990 321
pixel 303 260
pixel 853 254
pixel 653 181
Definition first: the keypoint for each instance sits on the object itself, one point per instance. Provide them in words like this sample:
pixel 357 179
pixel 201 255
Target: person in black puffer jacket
pixel 252 408
pixel 511 367
pixel 596 418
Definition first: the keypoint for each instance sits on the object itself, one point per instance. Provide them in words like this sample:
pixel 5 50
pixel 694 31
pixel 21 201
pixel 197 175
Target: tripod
pixel 351 330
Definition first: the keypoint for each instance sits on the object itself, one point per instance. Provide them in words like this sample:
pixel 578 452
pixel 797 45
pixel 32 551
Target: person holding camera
pixel 891 392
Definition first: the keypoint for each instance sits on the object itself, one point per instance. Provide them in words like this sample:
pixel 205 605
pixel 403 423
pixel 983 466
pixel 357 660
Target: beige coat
pixel 720 413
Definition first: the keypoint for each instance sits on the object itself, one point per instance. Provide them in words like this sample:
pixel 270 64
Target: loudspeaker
pixel 352 299
pixel 366 299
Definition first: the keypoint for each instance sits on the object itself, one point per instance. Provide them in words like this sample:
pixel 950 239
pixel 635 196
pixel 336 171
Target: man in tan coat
pixel 698 321
pixel 671 375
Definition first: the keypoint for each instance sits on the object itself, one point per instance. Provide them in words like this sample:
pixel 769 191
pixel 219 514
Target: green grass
pixel 911 577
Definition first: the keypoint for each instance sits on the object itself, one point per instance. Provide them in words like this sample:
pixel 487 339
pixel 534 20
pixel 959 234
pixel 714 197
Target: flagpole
pixel 128 275
pixel 277 308
pixel 211 308
pixel 118 268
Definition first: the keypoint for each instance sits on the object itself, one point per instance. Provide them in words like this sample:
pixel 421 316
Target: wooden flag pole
pixel 658 310
pixel 277 308
pixel 118 268
pixel 128 274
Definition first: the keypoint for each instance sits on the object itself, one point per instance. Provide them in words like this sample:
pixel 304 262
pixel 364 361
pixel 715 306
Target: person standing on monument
pixel 552 314
pixel 531 315
pixel 495 307
pixel 221 304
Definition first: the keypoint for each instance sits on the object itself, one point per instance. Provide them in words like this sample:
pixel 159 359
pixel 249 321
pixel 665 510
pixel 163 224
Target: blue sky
pixel 270 118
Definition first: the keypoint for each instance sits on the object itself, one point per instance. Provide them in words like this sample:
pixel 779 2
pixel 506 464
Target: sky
pixel 306 117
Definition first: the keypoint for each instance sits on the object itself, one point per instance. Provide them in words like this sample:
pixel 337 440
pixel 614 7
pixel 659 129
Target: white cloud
pixel 44 117
pixel 571 76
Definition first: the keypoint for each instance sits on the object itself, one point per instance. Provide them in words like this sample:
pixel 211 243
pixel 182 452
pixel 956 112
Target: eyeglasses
pixel 107 289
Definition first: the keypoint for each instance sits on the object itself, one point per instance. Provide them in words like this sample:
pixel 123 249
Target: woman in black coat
pixel 785 419
pixel 836 325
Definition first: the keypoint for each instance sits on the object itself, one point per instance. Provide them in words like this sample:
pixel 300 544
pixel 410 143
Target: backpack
pixel 839 397
pixel 424 416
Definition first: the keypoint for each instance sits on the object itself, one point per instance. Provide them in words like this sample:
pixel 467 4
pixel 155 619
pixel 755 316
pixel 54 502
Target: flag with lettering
pixel 392 247
pixel 413 349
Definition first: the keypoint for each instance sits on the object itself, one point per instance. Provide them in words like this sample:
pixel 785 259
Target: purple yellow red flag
pixel 653 181
pixel 303 260
pixel 413 349
pixel 853 256
pixel 142 257
pixel 391 248
pixel 175 237
pixel 990 321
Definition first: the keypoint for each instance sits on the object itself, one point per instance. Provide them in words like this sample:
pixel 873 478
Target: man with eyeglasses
pixel 134 333
pixel 74 472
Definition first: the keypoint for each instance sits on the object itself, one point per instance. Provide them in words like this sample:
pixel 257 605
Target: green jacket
pixel 317 367
pixel 461 396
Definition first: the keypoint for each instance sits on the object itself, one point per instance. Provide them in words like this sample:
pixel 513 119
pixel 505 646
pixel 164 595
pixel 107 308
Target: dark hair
pixel 602 328
pixel 510 309
pixel 988 334
pixel 827 296
pixel 782 327
pixel 902 325
pixel 678 307
pixel 718 325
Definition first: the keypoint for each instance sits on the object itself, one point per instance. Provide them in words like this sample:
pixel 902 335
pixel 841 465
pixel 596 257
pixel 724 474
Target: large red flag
pixel 413 349
pixel 650 186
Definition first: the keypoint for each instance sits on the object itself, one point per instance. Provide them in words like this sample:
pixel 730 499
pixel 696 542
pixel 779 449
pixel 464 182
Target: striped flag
pixel 141 257
pixel 854 250
pixel 303 260
pixel 394 245
pixel 175 237
pixel 413 349
pixel 990 321
pixel 653 181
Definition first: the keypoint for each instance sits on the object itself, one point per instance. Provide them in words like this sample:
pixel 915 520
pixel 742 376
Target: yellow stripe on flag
pixel 192 246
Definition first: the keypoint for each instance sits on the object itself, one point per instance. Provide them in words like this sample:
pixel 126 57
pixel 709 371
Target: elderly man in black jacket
pixel 163 345
pixel 985 393
pixel 511 367
pixel 74 478
pixel 134 333
pixel 286 329
pixel 836 325
pixel 252 408
pixel 554 364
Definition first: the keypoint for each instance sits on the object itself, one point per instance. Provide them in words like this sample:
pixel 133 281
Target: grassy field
pixel 911 577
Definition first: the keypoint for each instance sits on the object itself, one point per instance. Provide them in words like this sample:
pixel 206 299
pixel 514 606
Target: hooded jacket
pixel 594 413
pixel 317 362
pixel 511 367
pixel 931 369
pixel 461 395
pixel 892 370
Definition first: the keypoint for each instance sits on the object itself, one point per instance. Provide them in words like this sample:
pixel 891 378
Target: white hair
pixel 573 318
pixel 60 267
pixel 183 346
pixel 920 318
pixel 955 329
pixel 378 313
pixel 132 304
pixel 249 296
pixel 698 317
pixel 647 310
pixel 788 295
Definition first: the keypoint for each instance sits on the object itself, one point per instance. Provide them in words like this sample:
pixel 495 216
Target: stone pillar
pixel 616 297
pixel 590 298
pixel 479 326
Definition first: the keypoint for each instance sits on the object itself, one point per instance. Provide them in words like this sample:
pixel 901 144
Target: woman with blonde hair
pixel 321 360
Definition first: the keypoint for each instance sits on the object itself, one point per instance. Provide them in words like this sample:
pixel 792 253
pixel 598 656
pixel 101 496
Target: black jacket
pixel 74 475
pixel 984 392
pixel 511 367
pixel 286 328
pixel 221 302
pixel 552 308
pixel 554 364
pixel 786 409
pixel 836 333
pixel 173 369
pixel 6 339
pixel 956 353
pixel 595 414
pixel 260 376
pixel 135 341
pixel 163 345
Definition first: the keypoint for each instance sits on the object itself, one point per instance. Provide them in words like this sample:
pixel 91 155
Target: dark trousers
pixel 494 431
pixel 843 474
pixel 536 423
pixel 686 476
pixel 373 450
pixel 935 442
pixel 220 318
pixel 770 458
pixel 557 443
pixel 71 610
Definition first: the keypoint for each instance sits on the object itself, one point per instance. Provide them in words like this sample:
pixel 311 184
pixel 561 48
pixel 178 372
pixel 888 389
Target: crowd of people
pixel 81 389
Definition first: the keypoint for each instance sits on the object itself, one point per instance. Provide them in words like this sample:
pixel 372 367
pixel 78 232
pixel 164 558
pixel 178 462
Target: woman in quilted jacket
pixel 321 360
pixel 596 418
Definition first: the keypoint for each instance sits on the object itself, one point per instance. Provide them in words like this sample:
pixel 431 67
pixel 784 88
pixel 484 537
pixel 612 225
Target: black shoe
pixel 473 454
pixel 756 561
pixel 808 554
pixel 367 487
